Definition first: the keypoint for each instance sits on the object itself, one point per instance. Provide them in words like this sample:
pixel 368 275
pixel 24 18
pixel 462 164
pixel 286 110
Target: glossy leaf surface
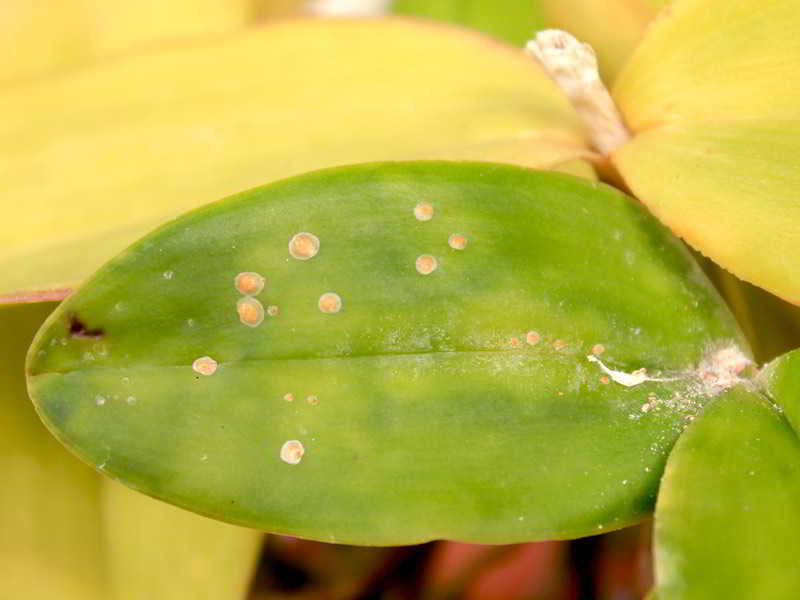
pixel 92 161
pixel 422 408
pixel 726 520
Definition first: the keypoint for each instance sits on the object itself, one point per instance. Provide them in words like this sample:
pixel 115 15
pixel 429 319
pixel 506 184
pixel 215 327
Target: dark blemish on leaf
pixel 78 329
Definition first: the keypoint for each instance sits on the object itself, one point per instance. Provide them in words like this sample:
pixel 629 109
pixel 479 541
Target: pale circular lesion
pixel 426 264
pixel 424 211
pixel 292 452
pixel 250 311
pixel 457 241
pixel 205 365
pixel 249 283
pixel 330 303
pixel 304 245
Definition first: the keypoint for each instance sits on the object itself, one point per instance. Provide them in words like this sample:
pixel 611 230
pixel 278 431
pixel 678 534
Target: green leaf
pixel 781 380
pixel 90 162
pixel 430 416
pixel 727 522
pixel 514 21
pixel 69 534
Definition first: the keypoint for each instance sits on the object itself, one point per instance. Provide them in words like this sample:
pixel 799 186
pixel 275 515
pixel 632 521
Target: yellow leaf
pixel 712 95
pixel 37 36
pixel 714 59
pixel 771 325
pixel 91 161
pixel 42 36
pixel 51 541
pixel 729 189
pixel 160 551
pixel 579 168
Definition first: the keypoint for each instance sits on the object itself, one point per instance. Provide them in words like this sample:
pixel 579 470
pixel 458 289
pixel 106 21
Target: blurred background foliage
pixel 43 37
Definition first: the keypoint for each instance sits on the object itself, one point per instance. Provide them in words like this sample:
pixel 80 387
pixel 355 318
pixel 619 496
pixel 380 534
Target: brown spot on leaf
pixel 78 329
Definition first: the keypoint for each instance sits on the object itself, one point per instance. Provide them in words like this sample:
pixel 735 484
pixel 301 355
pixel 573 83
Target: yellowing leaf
pixel 120 25
pixel 91 161
pixel 711 95
pixel 42 36
pixel 729 189
pixel 37 36
pixel 159 551
pixel 579 168
pixel 715 59
pixel 771 325
pixel 51 542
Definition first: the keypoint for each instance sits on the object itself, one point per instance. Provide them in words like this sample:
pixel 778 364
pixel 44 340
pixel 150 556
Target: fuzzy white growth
pixel 573 66
pixel 721 369
pixel 349 8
